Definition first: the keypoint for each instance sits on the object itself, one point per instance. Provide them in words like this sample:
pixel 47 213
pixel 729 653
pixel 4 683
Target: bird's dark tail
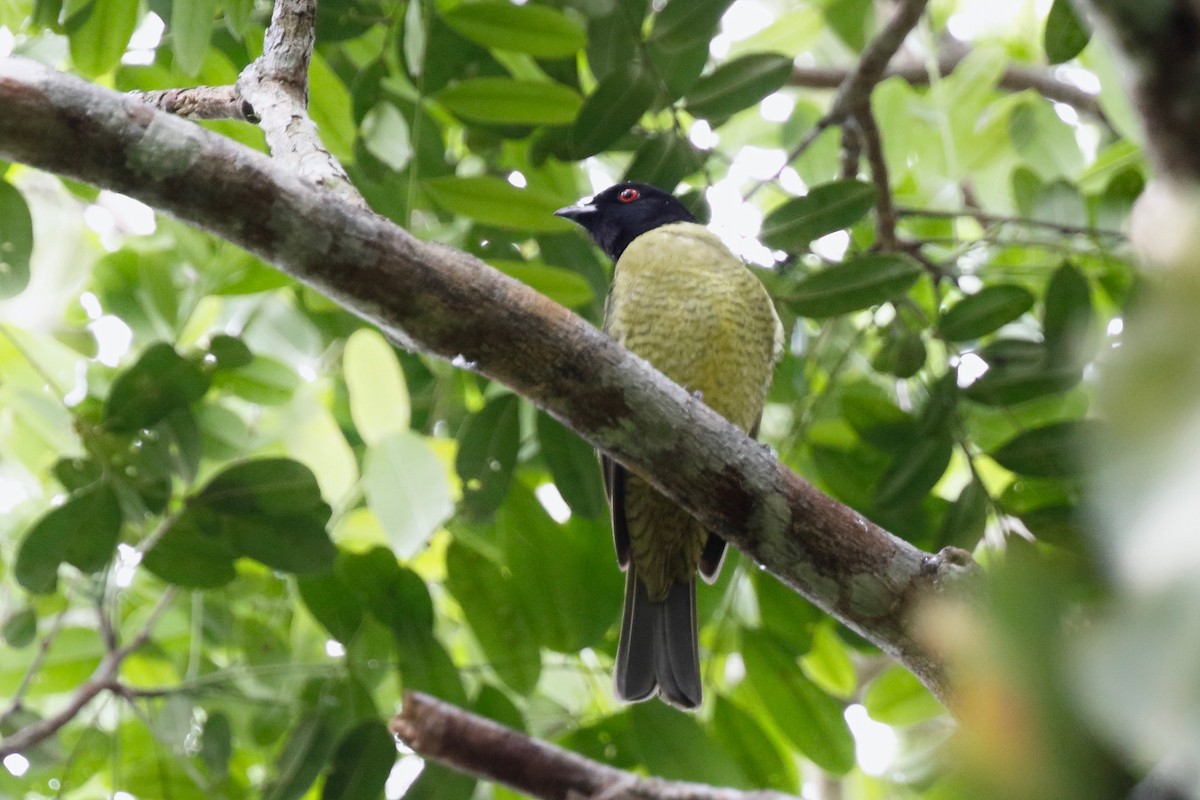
pixel 657 649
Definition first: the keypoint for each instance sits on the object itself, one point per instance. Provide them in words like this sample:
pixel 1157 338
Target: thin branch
pixel 449 304
pixel 200 102
pixel 18 698
pixel 885 211
pixel 1002 219
pixel 100 680
pixel 478 746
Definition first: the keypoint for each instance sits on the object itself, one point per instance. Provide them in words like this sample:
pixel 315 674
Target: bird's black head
pixel 621 213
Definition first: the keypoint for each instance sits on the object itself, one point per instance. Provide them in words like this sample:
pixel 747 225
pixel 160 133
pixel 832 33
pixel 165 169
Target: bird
pixel 683 301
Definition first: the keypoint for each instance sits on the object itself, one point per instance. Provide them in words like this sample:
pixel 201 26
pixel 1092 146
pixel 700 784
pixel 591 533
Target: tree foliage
pixel 341 519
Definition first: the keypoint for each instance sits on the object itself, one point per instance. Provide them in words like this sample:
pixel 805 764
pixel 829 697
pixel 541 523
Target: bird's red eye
pixel 628 195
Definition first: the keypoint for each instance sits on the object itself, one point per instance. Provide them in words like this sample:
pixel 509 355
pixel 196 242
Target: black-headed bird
pixel 681 300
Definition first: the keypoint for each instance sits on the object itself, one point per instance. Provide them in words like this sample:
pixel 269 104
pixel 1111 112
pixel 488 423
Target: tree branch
pixel 450 304
pixel 200 102
pixel 478 746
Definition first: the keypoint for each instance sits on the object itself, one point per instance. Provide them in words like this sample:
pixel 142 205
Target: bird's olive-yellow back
pixel 687 305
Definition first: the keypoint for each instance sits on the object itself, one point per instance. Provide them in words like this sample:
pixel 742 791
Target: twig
pixel 885 211
pixel 478 746
pixel 100 680
pixel 18 697
pixel 1001 219
pixel 201 102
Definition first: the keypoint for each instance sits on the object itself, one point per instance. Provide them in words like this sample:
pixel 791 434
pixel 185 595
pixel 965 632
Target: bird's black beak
pixel 578 212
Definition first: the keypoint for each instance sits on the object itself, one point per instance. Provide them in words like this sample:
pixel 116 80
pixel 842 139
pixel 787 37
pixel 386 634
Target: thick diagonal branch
pixel 450 304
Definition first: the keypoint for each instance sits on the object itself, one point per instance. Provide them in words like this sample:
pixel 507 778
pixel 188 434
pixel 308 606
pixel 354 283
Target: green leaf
pixel 302 759
pixel 16 241
pixel 966 518
pixel 757 752
pixel 811 719
pixel 505 101
pixel 898 698
pixel 296 543
pixel 20 628
pixel 230 352
pixel 191 28
pixel 159 382
pixel 265 380
pixel 494 201
pixel 361 764
pixel 859 283
pixel 902 353
pixel 828 663
pixel 333 603
pixel 574 467
pixel 273 486
pixel 99 33
pixel 1052 451
pixel 1066 34
pixel 915 471
pixel 611 110
pixel 395 596
pixel 379 400
pixel 216 744
pixel 492 605
pixel 612 39
pixel 563 286
pixel 487 453
pixel 985 311
pixel 687 22
pixel 850 20
pixel 187 556
pixel 826 208
pixel 83 532
pixel 406 488
pixel 674 746
pixel 384 132
pixel 664 160
pixel 538 30
pixel 1068 316
pixel 738 84
pixel 676 69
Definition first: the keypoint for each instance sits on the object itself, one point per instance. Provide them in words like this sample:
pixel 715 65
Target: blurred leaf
pixel 230 352
pixel 534 29
pixel 850 19
pixel 407 489
pixel 966 519
pixel 82 532
pixel 675 746
pixel 16 241
pixel 608 113
pixel 191 27
pixel 159 382
pixel 898 698
pixel 492 605
pixel 309 746
pixel 828 663
pixel 189 557
pixel 664 160
pixel 20 627
pixel 860 283
pixel 1066 34
pixel 756 752
pixel 915 471
pixel 274 486
pixel 826 208
pixel 494 201
pixel 612 39
pixel 99 32
pixel 264 380
pixel 811 719
pixel 687 22
pixel 574 467
pixel 738 84
pixel 487 454
pixel 216 744
pixel 361 764
pixel 985 311
pixel 1055 450
pixel 333 603
pixel 385 134
pixel 1068 315
pixel 379 401
pixel 563 286
pixel 511 102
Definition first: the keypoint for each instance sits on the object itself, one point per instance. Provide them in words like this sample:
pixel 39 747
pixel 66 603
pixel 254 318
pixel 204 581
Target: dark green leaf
pixel 191 29
pixel 99 33
pixel 216 744
pixel 985 311
pixel 496 202
pixel 613 38
pixel 676 69
pixel 510 102
pixel 395 596
pixel 20 628
pixel 1056 450
pixel 738 84
pixel 76 473
pixel 308 748
pixel 850 20
pixel 361 764
pixel 16 241
pixel 681 23
pixel 158 383
pixel 876 419
pixel 664 160
pixel 826 208
pixel 574 467
pixel 611 110
pixel 492 605
pixel 1066 34
pixel 333 603
pixel 189 557
pixel 441 783
pixel 83 532
pixel 487 453
pixel 1068 316
pixel 787 616
pixel 966 518
pixel 756 751
pixel 898 698
pixel 296 543
pixel 914 472
pixel 901 354
pixel 271 486
pixel 860 283
pixel 534 29
pixel 1007 384
pixel 266 381
pixel 675 746
pixel 811 719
